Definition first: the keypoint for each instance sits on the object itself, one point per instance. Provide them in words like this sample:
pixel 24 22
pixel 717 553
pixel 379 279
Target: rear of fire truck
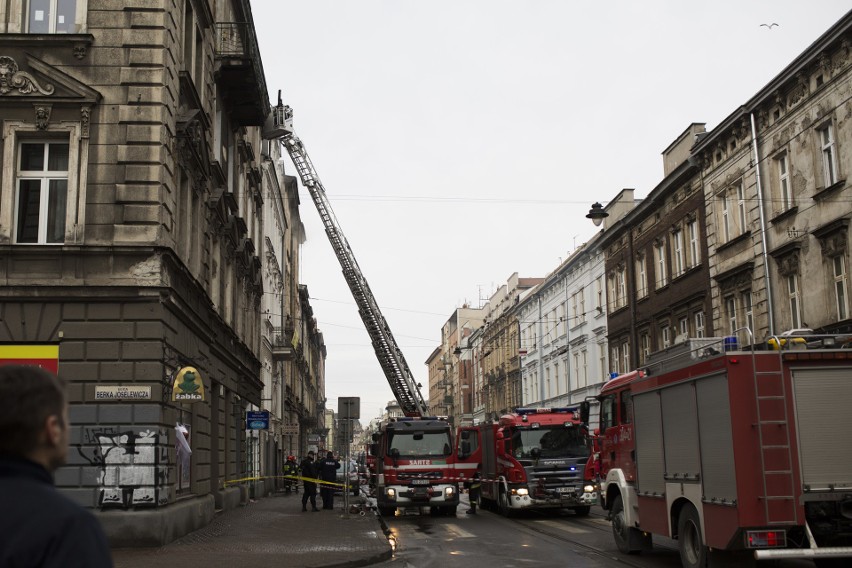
pixel 533 458
pixel 414 465
pixel 732 450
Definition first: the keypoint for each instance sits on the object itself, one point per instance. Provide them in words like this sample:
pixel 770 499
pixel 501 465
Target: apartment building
pixel 774 176
pixel 562 325
pixel 133 249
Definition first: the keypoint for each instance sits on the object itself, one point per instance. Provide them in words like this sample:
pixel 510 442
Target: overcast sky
pixel 460 141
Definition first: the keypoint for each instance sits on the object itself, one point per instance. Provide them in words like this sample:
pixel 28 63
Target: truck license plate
pixel 565 490
pixel 419 482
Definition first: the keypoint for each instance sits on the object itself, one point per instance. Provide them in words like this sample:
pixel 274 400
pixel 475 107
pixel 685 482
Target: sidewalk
pixel 272 529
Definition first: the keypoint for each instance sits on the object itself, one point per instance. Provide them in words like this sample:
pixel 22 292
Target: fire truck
pixel 414 459
pixel 729 449
pixel 415 465
pixel 533 458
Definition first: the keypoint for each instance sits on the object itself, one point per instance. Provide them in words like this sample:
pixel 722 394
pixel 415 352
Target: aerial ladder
pixel 397 372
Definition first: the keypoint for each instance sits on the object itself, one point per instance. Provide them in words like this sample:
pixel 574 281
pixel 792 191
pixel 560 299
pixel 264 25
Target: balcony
pixel 239 73
pixel 282 344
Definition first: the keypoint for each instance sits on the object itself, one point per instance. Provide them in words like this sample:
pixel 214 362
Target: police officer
pixel 309 471
pixel 328 472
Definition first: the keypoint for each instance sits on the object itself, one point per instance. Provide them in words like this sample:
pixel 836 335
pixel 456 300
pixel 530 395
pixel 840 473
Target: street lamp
pixel 597 214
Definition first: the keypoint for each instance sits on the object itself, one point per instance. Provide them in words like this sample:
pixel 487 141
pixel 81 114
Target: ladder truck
pixel 414 462
pixel 390 357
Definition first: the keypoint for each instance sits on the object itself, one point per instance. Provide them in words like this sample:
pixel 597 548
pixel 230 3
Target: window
pixel 795 302
pixel 678 257
pixel 725 213
pixel 683 327
pixel 699 324
pixel 829 155
pixel 641 277
pixel 660 261
pixel 599 294
pixel 621 278
pixel 625 356
pixel 42 192
pixel 748 310
pixel 665 336
pixel 645 341
pixel 732 212
pixel 582 295
pixel 608 416
pixel 52 16
pixel 841 291
pixel 784 194
pixel 583 373
pixel 694 244
pixel 741 208
pixel 731 313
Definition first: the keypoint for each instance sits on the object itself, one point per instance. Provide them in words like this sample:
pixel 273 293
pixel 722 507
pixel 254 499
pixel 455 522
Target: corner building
pixel 130 244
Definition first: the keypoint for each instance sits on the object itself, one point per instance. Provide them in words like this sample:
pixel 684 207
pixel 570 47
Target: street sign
pixel 257 420
pixel 289 429
pixel 349 407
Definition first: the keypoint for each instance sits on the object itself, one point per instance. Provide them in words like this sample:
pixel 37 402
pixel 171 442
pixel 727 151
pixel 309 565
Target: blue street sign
pixel 257 420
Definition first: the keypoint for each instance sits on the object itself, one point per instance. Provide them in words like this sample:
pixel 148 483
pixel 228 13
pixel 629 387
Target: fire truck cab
pixel 415 465
pixel 533 458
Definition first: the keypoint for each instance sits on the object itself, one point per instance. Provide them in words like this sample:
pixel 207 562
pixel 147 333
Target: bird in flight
pixel 769 26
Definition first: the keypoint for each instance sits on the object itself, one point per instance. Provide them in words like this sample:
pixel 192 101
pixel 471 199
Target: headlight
pixel 522 491
pixel 391 493
pixel 589 489
pixel 449 491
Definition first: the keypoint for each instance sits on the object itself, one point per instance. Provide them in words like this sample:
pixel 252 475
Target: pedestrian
pixel 39 525
pixel 328 473
pixel 473 492
pixel 308 470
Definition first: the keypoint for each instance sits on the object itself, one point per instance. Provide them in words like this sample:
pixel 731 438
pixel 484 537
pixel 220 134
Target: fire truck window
pixel 421 444
pixel 607 413
pixel 626 408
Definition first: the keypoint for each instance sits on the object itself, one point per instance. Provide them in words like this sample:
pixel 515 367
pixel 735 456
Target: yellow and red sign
pixel 44 356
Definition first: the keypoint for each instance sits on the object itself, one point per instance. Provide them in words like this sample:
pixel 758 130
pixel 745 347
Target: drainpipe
pixel 768 283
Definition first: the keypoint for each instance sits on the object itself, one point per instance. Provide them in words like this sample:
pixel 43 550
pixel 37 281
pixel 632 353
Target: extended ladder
pixel 390 357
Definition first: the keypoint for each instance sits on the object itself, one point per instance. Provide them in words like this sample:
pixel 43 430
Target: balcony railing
pixel 282 343
pixel 241 70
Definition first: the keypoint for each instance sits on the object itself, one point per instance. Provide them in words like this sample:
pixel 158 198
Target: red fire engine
pixel 415 465
pixel 728 449
pixel 533 458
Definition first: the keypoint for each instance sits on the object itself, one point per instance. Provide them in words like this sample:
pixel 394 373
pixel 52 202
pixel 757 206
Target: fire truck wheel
pixel 582 511
pixel 620 530
pixel 693 553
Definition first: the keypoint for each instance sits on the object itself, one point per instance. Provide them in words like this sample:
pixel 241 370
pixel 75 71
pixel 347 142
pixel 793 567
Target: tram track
pixel 579 543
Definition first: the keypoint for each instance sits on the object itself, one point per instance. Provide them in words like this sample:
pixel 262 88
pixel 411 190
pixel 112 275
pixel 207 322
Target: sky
pixel 461 141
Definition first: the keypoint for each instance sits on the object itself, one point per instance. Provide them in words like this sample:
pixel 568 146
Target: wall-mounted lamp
pixel 597 214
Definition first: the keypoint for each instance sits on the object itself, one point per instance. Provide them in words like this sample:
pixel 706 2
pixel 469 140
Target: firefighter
pixel 291 470
pixel 473 492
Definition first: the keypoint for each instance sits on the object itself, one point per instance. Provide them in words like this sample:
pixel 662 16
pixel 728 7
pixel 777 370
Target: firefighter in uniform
pixel 473 492
pixel 291 468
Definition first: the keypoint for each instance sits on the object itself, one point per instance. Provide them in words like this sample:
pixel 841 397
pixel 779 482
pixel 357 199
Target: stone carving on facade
pixel 737 279
pixel 12 78
pixel 800 91
pixel 788 265
pixel 843 57
pixel 85 114
pixel 834 244
pixel 80 50
pixel 42 116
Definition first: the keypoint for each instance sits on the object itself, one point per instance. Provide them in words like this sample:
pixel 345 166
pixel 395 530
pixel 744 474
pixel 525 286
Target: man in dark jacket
pixel 328 472
pixel 40 526
pixel 309 471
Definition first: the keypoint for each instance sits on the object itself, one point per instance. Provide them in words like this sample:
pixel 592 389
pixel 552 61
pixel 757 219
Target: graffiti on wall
pixel 133 466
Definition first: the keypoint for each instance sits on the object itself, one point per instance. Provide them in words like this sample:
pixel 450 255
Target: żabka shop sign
pixel 188 386
pixel 44 356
